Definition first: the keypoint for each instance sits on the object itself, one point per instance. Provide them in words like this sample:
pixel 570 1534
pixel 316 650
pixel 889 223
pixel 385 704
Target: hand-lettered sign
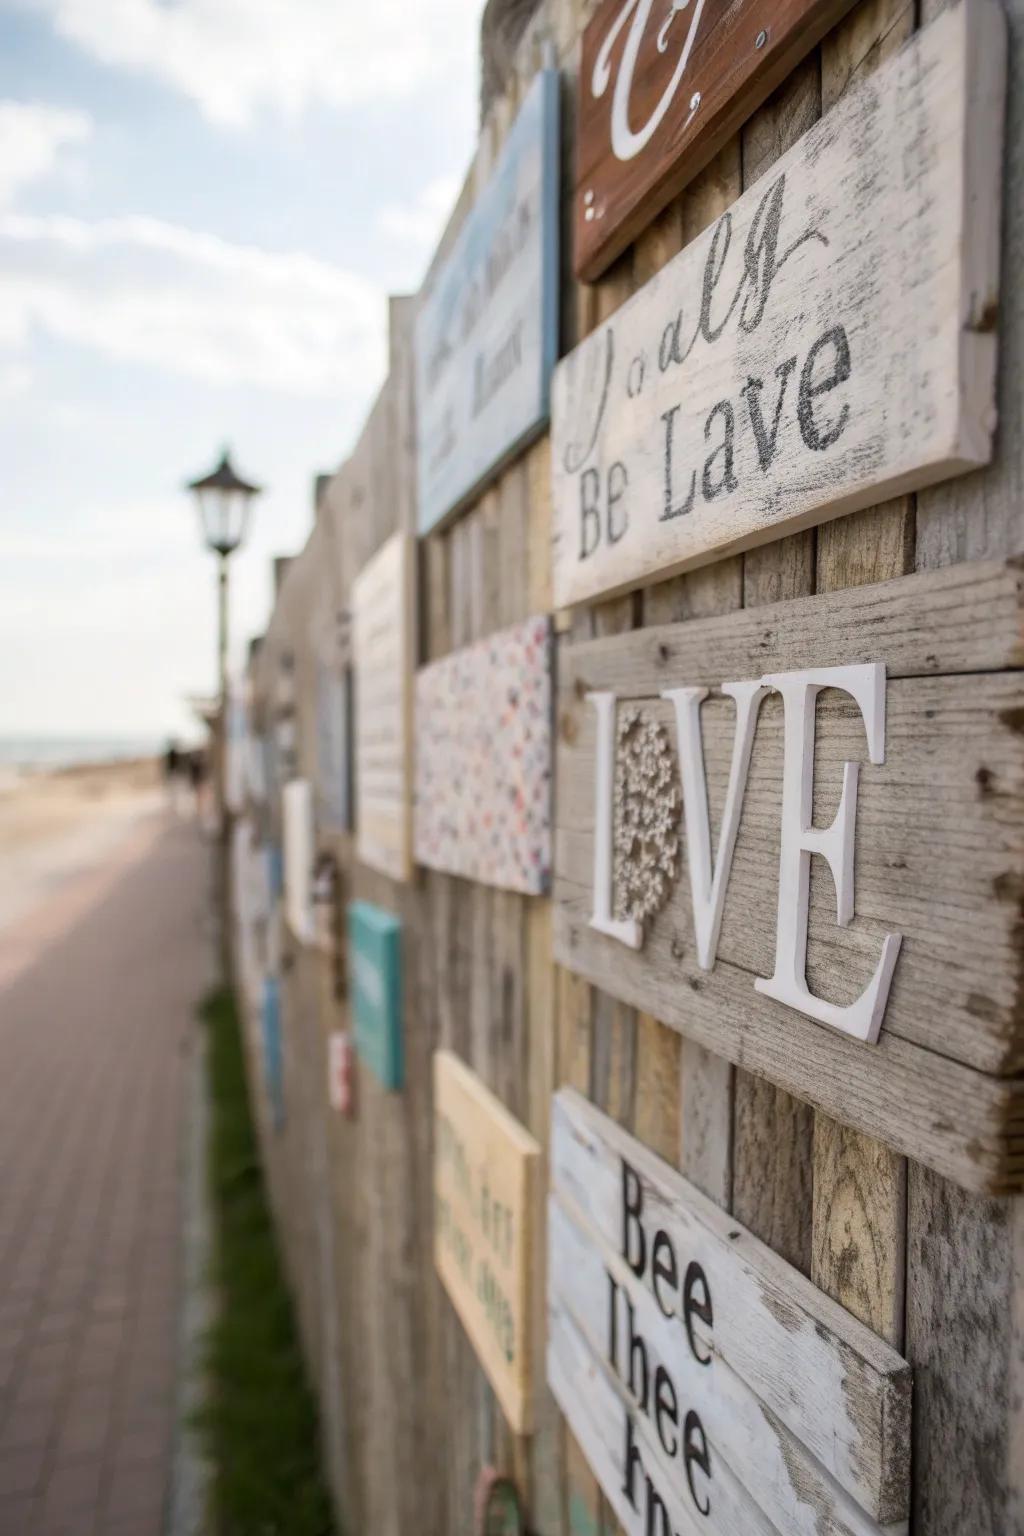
pixel 383 645
pixel 375 960
pixel 483 760
pixel 485 1167
pixel 803 816
pixel 827 344
pixel 297 804
pixel 660 91
pixel 487 333
pixel 709 1384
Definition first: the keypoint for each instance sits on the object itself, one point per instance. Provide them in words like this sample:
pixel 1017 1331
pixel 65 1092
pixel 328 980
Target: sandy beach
pixel 58 824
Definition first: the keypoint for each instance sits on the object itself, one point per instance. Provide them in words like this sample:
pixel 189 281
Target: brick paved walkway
pixel 92 1039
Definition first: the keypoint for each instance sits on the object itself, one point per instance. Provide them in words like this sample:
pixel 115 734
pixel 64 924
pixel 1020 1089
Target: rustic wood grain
pixel 633 414
pixel 733 65
pixel 767 1321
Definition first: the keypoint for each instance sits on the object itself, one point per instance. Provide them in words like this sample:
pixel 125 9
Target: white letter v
pixel 707 885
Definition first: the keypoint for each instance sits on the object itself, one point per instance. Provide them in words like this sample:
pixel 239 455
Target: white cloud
pixel 33 137
pixel 140 290
pixel 235 56
pixel 417 227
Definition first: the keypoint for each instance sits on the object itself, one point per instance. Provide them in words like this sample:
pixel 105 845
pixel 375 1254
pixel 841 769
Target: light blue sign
pixel 487 333
pixel 375 985
pixel 273 1055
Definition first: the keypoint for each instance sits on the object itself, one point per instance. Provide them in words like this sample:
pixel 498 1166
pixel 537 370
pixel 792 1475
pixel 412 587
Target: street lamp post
pixel 224 500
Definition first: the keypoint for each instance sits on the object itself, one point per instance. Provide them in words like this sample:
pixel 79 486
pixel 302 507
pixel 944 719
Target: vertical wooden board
pixel 383 624
pixel 484 1169
pixel 377 1002
pixel 959 1339
pixel 483 760
pixel 638 405
pixel 486 333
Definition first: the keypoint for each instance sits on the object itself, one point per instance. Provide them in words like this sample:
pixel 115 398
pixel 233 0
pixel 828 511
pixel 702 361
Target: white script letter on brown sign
pixel 827 344
pixel 661 89
pixel 711 1387
pixel 485 1167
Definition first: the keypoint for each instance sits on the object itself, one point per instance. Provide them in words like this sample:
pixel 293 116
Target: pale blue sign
pixel 487 332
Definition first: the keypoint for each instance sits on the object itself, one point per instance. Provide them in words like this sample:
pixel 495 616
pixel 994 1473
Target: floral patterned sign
pixel 483 760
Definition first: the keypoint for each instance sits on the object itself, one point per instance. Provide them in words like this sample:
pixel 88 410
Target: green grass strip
pixel 259 1422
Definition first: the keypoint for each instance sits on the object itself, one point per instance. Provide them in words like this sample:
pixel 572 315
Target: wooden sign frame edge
pixel 521 1415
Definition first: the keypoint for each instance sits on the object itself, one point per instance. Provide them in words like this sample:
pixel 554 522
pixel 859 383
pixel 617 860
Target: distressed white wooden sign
pixel 383 630
pixel 803 816
pixel 829 343
pixel 483 760
pixel 487 333
pixel 710 1385
pixel 297 805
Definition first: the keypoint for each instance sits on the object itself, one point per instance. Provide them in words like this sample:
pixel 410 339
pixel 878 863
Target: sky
pixel 203 206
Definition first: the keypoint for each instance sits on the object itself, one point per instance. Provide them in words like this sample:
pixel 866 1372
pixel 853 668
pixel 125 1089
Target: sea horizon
pixel 33 753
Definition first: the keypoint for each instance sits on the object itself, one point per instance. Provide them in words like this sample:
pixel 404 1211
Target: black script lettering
pixel 767 441
pixel 669 418
pixel 664 1267
pixel 815 434
pixel 590 512
pixel 632 1205
pixel 613 1324
pixel 761 260
pixel 633 1461
pixel 637 1352
pixel 576 456
pixel 635 376
pixel 656 1511
pixel 695 1453
pixel 666 1404
pixel 727 480
pixel 712 272
pixel 696 1305
pixel 618 479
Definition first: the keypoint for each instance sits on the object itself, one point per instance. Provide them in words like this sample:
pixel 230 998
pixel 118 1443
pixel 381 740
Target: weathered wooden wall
pixel 409 1418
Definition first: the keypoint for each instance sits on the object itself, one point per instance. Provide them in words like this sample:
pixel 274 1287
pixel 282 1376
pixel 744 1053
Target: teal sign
pixel 375 982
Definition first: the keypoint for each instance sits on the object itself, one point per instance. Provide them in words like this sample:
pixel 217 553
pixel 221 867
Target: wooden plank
pixel 485 1165
pixel 873 258
pixel 736 1340
pixel 384 648
pixel 483 760
pixel 657 100
pixel 487 331
pixel 959 1337
pixel 939 829
pixel 974 615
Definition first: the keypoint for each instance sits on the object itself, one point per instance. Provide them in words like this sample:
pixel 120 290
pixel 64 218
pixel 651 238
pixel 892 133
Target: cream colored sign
pixel 383 645
pixel 485 1167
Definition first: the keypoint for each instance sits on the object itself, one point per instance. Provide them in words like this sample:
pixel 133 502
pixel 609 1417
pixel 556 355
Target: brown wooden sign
pixel 662 87
pixel 797 834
